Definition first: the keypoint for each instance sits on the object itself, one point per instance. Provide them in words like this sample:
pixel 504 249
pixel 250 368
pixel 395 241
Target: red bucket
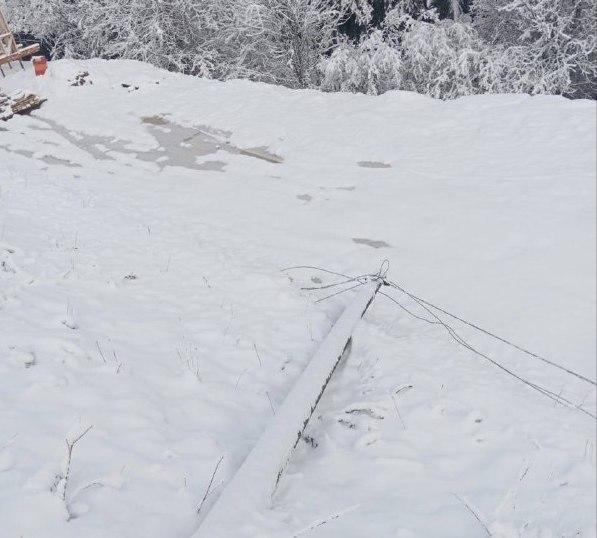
pixel 40 64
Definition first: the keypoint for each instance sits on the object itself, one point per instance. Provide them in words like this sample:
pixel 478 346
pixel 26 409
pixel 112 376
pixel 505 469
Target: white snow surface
pixel 143 233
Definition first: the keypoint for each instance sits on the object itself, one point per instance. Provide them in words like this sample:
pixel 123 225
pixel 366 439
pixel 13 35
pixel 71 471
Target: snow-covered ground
pixel 143 230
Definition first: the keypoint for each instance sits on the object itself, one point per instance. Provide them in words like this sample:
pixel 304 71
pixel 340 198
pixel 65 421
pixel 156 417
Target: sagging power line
pixel 431 310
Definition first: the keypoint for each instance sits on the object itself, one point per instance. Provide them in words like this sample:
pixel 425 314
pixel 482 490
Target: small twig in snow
pixel 393 396
pixel 211 480
pixel 100 351
pixel 240 376
pixel 96 484
pixel 398 412
pixel 70 444
pixel 257 353
pixel 119 363
pixel 475 515
pixel 321 522
pixel 229 322
pixel 270 402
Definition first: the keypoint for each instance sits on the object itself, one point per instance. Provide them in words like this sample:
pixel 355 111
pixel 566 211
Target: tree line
pixel 442 48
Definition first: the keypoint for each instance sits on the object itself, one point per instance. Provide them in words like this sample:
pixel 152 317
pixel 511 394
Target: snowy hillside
pixel 145 219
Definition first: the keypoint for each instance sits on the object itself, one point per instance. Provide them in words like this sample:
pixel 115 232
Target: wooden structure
pixel 10 50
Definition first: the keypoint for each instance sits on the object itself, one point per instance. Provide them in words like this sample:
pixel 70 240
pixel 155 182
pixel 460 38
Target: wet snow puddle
pixel 177 146
pixel 48 159
pixel 97 146
pixel 184 144
pixel 373 164
pixel 370 242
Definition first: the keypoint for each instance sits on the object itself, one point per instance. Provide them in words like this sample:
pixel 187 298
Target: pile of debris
pixel 18 102
pixel 81 79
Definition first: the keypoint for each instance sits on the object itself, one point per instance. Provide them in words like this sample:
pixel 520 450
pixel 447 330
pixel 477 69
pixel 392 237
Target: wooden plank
pixel 3 24
pixel 20 54
pixel 251 488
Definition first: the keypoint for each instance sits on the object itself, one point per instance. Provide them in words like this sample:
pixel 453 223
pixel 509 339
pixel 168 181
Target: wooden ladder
pixel 10 50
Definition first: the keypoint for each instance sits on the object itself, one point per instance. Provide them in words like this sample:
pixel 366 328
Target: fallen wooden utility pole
pixel 251 488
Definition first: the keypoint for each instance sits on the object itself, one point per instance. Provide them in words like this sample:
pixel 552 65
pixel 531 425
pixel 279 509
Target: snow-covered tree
pixel 285 39
pixel 556 37
pixel 372 67
pixel 518 46
pixel 444 59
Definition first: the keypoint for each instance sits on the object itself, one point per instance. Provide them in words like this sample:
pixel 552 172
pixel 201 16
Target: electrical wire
pixel 436 320
pixel 340 292
pixel 558 398
pixel 489 333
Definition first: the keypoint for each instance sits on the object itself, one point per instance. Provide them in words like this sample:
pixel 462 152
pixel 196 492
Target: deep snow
pixel 142 237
